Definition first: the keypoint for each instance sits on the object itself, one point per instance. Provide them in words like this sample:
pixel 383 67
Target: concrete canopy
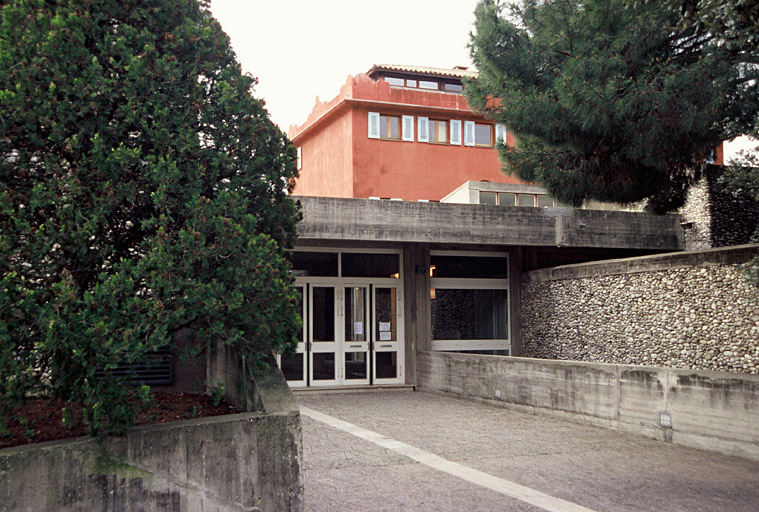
pixel 359 220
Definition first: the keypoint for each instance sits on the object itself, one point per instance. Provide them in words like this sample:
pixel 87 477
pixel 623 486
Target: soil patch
pixel 43 417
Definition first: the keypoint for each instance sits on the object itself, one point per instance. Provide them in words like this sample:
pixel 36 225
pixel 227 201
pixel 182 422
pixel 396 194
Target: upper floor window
pixel 438 131
pixel 390 127
pixel 383 126
pixel 483 135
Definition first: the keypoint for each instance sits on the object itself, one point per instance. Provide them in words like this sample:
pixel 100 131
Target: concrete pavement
pixel 413 451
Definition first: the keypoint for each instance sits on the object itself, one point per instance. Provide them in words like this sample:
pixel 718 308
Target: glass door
pixel 355 342
pixel 387 360
pixel 294 368
pixel 323 354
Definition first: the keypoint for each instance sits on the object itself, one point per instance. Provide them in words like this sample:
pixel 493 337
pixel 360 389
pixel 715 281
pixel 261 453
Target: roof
pixel 423 70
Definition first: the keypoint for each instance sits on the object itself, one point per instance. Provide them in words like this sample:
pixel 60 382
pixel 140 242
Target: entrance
pixel 352 331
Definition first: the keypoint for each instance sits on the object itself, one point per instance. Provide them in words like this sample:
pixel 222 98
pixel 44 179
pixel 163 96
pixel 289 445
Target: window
pixel 428 84
pixel 438 131
pixel 469 299
pixel 544 200
pixel 390 127
pixel 483 135
pixel 410 83
pixel 453 87
pixel 299 152
pixel 526 200
pixel 507 199
pixel 488 197
pixel 394 81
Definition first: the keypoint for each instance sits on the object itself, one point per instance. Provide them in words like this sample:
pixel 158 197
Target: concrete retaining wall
pixel 240 462
pixel 682 310
pixel 709 410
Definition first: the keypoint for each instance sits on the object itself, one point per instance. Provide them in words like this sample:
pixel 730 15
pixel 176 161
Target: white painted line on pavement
pixel 520 492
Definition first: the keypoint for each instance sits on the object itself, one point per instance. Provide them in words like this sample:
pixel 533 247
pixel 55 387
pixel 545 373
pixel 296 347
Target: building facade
pixel 381 281
pixel 397 132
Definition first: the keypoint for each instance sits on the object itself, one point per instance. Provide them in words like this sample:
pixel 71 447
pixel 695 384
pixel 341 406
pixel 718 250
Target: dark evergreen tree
pixel 608 99
pixel 143 190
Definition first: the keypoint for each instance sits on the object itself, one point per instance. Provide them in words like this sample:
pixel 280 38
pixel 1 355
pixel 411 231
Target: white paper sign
pixel 384 326
pixel 385 336
pixel 358 327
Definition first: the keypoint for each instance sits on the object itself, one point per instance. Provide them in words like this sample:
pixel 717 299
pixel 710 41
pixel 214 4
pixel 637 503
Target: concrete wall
pixel 240 462
pixel 349 220
pixel 710 410
pixel 683 310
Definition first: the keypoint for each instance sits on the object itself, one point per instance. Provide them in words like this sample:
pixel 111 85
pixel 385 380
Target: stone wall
pixel 681 310
pixel 709 410
pixel 715 217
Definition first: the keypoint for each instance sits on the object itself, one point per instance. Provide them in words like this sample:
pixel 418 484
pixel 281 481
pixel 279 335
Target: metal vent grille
pixel 159 372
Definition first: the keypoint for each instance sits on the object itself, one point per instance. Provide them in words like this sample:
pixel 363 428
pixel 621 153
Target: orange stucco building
pixel 397 132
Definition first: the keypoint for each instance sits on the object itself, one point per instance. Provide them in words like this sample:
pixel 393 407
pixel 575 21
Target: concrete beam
pixel 400 221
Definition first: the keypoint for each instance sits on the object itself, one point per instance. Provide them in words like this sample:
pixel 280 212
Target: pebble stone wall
pixel 713 216
pixel 703 315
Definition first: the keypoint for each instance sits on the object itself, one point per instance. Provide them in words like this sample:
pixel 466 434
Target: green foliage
pixel 143 191
pixel 608 99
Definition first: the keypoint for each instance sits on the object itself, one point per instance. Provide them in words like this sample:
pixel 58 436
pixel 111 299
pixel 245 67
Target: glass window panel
pixel 427 84
pixel 469 314
pixel 487 267
pixel 355 314
pixel 410 83
pixel 526 199
pixel 293 368
pixel 544 200
pixel 483 135
pixel 386 365
pixel 385 315
pixel 324 365
pixel 507 199
pixel 488 197
pixel 371 265
pixel 314 263
pixel 454 87
pixel 390 127
pixel 438 130
pixel 394 81
pixel 323 314
pixel 356 366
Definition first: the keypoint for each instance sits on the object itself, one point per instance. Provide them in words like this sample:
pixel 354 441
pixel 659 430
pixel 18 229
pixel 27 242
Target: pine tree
pixel 143 190
pixel 608 99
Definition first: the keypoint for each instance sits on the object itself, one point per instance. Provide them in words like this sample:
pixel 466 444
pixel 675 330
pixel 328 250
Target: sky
pixel 301 49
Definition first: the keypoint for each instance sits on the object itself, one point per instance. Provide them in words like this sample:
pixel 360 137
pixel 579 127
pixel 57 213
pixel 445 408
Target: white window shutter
pixel 500 133
pixel 374 125
pixel 469 133
pixel 456 132
pixel 300 157
pixel 422 132
pixel 408 128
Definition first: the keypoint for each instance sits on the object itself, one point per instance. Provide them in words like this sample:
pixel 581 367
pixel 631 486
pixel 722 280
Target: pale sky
pixel 300 49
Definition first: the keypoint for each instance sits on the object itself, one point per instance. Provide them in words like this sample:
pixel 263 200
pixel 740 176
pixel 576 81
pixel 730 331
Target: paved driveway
pixel 412 451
